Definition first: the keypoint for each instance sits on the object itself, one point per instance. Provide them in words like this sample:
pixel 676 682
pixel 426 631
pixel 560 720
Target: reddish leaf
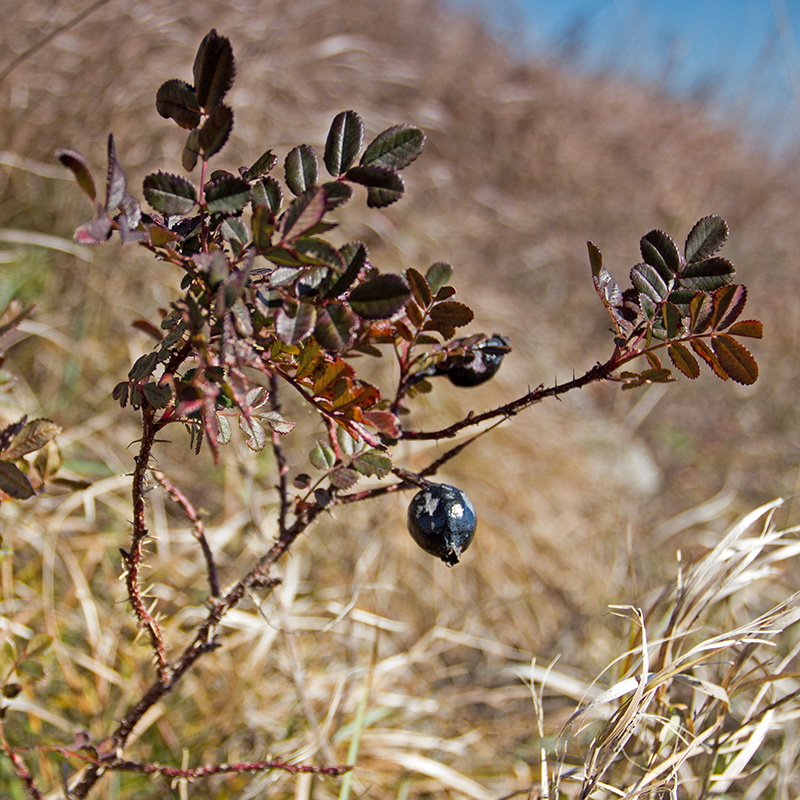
pixel 79 167
pixel 684 360
pixel 728 305
pixel 707 354
pixel 750 328
pixel 451 314
pixel 735 359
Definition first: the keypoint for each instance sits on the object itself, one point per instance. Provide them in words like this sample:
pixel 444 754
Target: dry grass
pixel 579 501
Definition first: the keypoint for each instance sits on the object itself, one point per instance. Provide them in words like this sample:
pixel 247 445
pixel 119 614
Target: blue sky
pixel 743 56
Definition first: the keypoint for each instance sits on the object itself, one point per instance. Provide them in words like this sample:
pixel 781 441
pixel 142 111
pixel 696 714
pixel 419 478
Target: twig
pixel 599 372
pixel 202 643
pixel 198 527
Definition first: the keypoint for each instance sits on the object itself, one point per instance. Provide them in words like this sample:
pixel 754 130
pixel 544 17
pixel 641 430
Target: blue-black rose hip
pixel 442 521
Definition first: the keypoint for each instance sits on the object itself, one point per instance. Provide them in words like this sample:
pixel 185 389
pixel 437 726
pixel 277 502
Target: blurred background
pixel 548 124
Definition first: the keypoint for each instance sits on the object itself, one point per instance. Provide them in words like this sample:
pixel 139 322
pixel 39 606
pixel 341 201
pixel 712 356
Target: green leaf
pixel 707 275
pixel 684 360
pixel 437 275
pixel 394 148
pixel 302 169
pixel 750 328
pixel 267 192
pixel 338 193
pixel 214 70
pixel 660 252
pixel 215 131
pixel 344 141
pixel 336 327
pixel 176 100
pixel 262 166
pixel 235 232
pixel 706 238
pixel 227 196
pixel 170 195
pixel 263 225
pixel 293 329
pixel 672 320
pixel 735 359
pixel 13 482
pixel 303 213
pixel 373 462
pixel 355 259
pixel 384 185
pixel 322 456
pixel 191 151
pixel 648 281
pixel 380 297
pixel 320 252
pixel 33 436
pixel 79 167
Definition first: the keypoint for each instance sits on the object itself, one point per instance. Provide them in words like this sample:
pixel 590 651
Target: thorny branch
pixel 133 559
pixel 259 577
